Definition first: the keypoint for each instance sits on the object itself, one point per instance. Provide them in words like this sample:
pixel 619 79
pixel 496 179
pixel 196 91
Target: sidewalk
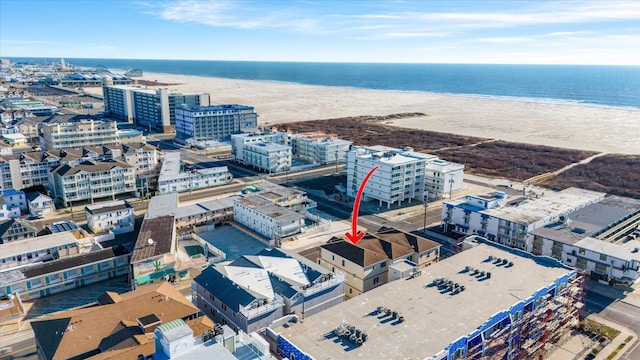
pixel 624 334
pixel 579 346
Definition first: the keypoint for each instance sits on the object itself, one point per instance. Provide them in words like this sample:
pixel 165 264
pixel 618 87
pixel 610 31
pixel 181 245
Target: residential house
pixel 40 205
pixel 253 291
pixel 120 327
pixel 366 264
pixel 16 229
pixel 117 217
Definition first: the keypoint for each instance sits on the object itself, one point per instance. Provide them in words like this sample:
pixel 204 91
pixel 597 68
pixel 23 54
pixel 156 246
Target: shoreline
pixel 535 100
pixel 558 124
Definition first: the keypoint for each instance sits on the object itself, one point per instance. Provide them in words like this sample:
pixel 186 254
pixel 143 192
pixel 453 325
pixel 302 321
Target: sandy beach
pixel 602 129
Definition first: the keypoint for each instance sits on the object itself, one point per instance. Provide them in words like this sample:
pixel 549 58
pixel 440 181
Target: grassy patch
pixel 614 173
pixel 596 327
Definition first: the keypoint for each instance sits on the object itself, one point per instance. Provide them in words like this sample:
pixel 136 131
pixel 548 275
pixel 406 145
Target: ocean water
pixel 615 86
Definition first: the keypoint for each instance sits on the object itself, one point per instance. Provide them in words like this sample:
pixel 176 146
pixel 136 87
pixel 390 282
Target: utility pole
pixel 426 205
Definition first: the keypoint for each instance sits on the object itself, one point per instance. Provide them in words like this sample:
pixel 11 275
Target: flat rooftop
pixel 223 107
pixel 162 205
pixel 268 146
pixel 628 251
pixel 204 207
pixel 108 207
pixel 170 165
pixel 20 247
pixel 267 186
pixel 433 320
pixel 554 203
pixel 590 219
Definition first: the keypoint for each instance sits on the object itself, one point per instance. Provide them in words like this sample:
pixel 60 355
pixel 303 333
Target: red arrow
pixel 355 235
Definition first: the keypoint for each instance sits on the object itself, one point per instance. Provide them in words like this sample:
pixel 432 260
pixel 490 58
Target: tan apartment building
pixel 77 132
pixel 366 264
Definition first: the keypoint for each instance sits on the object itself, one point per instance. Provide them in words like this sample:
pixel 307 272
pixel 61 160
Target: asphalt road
pixel 618 312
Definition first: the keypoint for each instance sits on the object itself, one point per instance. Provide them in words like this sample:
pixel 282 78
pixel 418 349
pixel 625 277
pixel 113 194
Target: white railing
pixel 336 278
pixel 251 312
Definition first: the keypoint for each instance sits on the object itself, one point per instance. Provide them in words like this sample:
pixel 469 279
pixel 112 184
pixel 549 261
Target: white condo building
pixel 27 169
pixel 319 147
pixel 200 124
pixel 401 175
pixel 173 179
pixel 89 181
pixel 240 141
pixel 267 151
pixel 267 157
pixel 510 222
pixel 267 219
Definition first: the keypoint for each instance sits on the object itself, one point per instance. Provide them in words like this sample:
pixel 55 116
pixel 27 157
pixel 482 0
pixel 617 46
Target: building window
pixel 376 280
pixel 342 262
pixel 383 264
pixel 603 257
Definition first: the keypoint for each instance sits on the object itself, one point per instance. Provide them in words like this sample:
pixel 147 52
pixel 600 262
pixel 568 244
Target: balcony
pixel 251 312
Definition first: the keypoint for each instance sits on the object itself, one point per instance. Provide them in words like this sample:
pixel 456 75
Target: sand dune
pixel 595 128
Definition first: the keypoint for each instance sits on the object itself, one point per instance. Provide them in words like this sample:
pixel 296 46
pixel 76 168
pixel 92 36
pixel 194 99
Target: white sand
pixel 595 128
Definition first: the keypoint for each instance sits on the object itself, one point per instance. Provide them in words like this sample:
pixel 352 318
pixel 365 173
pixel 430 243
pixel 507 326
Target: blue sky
pixel 519 32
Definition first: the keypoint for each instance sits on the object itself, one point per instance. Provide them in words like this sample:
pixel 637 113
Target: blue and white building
pixel 475 305
pixel 201 125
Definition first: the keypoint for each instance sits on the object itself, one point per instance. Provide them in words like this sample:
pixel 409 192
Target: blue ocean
pixel 614 86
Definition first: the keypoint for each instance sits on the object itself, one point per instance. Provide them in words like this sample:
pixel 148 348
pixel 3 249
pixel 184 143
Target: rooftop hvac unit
pixel 482 273
pixel 504 261
pixel 488 274
pixel 462 288
pixel 400 318
pixel 510 263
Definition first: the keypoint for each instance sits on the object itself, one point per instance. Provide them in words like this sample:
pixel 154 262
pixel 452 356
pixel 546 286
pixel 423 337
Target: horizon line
pixel 322 62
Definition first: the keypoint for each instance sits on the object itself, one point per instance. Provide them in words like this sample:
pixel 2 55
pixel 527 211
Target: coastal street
pixel 619 312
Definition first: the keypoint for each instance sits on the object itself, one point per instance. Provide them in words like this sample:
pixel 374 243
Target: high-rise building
pixel 201 124
pixel 153 110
